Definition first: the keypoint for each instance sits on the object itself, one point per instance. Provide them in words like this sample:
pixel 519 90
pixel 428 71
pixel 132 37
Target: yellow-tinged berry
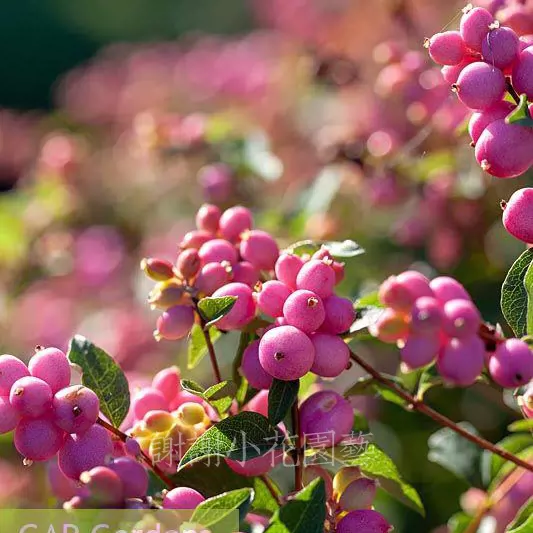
pixel 158 421
pixel 344 477
pixel 191 413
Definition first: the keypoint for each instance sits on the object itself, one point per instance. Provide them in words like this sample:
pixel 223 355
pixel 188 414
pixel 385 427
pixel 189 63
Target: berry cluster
pixel 437 320
pixel 476 60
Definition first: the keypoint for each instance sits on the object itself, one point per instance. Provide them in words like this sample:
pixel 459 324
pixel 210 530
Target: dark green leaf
pixel 455 453
pixel 521 425
pixel 264 502
pixel 222 509
pixel 102 375
pixel 523 518
pixel 368 386
pixel 197 346
pixel 459 523
pixel 520 115
pixel 246 435
pixel 430 378
pixel 242 384
pixel 191 386
pixel 305 513
pixel 528 284
pixel 514 298
pixel 213 309
pixel 221 395
pixel 377 464
pixel 281 397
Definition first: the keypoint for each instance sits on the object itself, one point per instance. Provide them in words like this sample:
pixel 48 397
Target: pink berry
pixel 271 297
pixel 195 239
pixel 31 397
pixel 245 272
pixel 132 447
pixel 287 268
pixel 252 370
pixel 316 276
pixel 148 399
pixel 133 475
pixel 475 26
pixel 235 221
pixel 500 47
pixel 461 318
pixel 446 289
pixel 340 314
pixel 184 397
pixel 242 312
pixel 365 521
pixel 175 323
pixel 83 452
pixel 286 353
pixel 523 73
pixel 167 382
pixel 416 283
pixel 512 363
pixel 62 487
pixel 11 369
pixel 182 498
pixel 327 414
pixel 313 472
pixel 480 85
pixel 462 360
pixel 259 248
pixel 391 326
pixel 257 466
pixel 481 119
pixel 104 486
pixel 51 365
pixel 518 215
pixel 426 316
pixel 525 42
pixel 39 439
pixel 216 251
pixel 258 404
pixel 359 494
pixel 208 218
pixel 157 269
pixel 450 73
pixel 75 409
pixel 419 351
pixel 188 263
pixel 527 402
pixel 9 416
pixel 304 310
pixel 505 150
pixel 213 276
pixel 332 355
pixel 396 295
pixel 447 48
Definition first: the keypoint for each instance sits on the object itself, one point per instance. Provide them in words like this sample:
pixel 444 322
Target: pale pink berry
pixel 182 498
pixel 51 365
pixel 11 369
pixel 105 486
pixel 208 217
pixel 419 351
pixel 317 276
pixel 258 404
pixel 252 370
pixel 184 397
pixel 328 414
pixel 271 297
pixel 396 295
pixel 257 466
pixel 480 85
pixel 217 251
pixel 148 399
pixel 9 416
pixel 304 310
pixel 286 353
pixel 474 27
pixel 245 272
pixel 500 47
pixel 259 248
pixel 391 326
pixel 31 397
pixel 188 263
pixel 213 276
pixel 461 318
pixel 167 382
pixel 364 521
pixel 235 221
pixel 38 439
pixel 340 314
pixel 505 150
pixel 461 361
pixel 417 284
pixel 195 239
pixel 175 323
pixel 243 310
pixel 359 494
pixel 313 472
pixel 446 289
pixel 481 119
pixel 332 355
pixel 518 215
pixel 511 365
pixel 75 409
pixel 426 316
pixel 446 48
pixel 287 268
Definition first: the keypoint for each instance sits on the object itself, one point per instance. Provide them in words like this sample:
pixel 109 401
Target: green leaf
pixel 525 527
pixel 244 436
pixel 221 395
pixel 366 317
pixel 521 425
pixel 430 378
pixel 368 386
pixel 459 522
pixel 523 518
pixel 102 375
pixel 281 397
pixel 455 453
pixel 221 509
pixel 339 250
pixel 191 386
pixel 368 300
pixel 197 346
pixel 264 502
pixel 306 382
pixel 520 115
pixel 306 247
pixel 213 309
pixel 514 298
pixel 242 384
pixel 377 464
pixel 305 513
pixel 528 284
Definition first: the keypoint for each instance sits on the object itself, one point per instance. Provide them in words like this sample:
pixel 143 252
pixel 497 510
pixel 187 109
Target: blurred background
pixel 118 119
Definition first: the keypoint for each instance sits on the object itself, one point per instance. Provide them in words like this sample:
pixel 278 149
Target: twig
pixel 271 488
pixel 299 451
pixel 212 354
pixel 511 91
pixel 418 405
pixel 123 437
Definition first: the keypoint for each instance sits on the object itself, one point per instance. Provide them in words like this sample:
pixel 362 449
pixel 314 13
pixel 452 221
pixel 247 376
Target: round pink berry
pixel 51 365
pixel 304 310
pixel 208 217
pixel 500 47
pixel 243 310
pixel 447 48
pixel 419 351
pixel 259 248
pixel 257 466
pixel 287 268
pixel 364 520
pixel 480 85
pixel 474 27
pixel 286 353
pixel 511 365
pixel 235 221
pixel 391 326
pixel 481 119
pixel 31 397
pixel 133 475
pixel 38 439
pixel 332 355
pixel 75 409
pixel 461 361
pixel 523 73
pixel 245 272
pixel 416 283
pixel 252 370
pixel 317 276
pixel 518 215
pixel 340 314
pixel 426 316
pixel 148 399
pixel 213 276
pixel 195 239
pixel 168 382
pixel 182 498
pixel 9 416
pixel 271 297
pixel 11 369
pixel 188 263
pixel 218 250
pixel 446 289
pixel 175 323
pixel 461 318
